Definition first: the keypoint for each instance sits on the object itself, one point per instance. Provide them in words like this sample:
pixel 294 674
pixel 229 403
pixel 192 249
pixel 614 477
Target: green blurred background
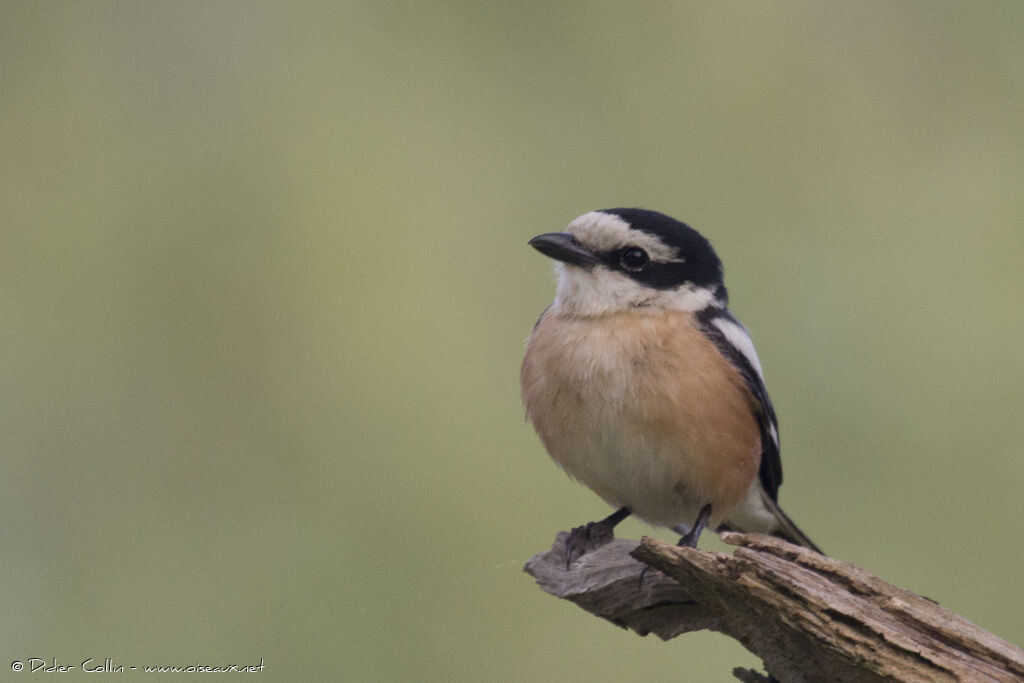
pixel 264 286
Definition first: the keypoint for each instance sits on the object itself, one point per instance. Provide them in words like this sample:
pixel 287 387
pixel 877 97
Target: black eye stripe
pixel 634 258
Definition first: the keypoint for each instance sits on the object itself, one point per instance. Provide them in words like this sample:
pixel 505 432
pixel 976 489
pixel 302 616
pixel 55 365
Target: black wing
pixel 771 464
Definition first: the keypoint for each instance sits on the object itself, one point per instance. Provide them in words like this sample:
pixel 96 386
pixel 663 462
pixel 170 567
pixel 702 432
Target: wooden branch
pixel 807 616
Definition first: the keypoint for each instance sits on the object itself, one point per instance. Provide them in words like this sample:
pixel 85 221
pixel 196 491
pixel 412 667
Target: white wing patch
pixel 740 340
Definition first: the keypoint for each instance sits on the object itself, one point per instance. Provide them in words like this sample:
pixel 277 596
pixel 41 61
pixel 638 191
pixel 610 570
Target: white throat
pixel 600 291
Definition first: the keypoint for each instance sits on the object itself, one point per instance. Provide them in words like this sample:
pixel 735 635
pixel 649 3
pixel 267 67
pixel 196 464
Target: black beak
pixel 562 246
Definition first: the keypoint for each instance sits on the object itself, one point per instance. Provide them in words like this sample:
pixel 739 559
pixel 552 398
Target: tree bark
pixel 806 616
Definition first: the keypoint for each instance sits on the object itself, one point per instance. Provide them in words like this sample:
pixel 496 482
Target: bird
pixel 643 386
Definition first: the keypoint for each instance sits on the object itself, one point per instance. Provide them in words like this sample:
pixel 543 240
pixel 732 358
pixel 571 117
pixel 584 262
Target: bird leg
pixel 592 535
pixel 691 537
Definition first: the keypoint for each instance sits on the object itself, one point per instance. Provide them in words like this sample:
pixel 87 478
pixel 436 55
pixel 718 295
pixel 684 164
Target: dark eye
pixel 634 258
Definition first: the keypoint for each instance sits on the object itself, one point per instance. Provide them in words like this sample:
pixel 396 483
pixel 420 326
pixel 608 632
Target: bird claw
pixel 583 539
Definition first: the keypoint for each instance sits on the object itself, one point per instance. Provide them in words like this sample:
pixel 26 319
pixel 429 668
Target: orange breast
pixel 642 408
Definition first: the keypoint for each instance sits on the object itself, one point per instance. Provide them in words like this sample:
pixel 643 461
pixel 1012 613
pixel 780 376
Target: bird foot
pixel 583 539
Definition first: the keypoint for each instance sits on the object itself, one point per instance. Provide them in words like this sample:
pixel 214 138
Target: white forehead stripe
pixel 606 232
pixel 738 337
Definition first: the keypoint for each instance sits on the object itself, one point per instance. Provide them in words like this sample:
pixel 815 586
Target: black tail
pixel 788 531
